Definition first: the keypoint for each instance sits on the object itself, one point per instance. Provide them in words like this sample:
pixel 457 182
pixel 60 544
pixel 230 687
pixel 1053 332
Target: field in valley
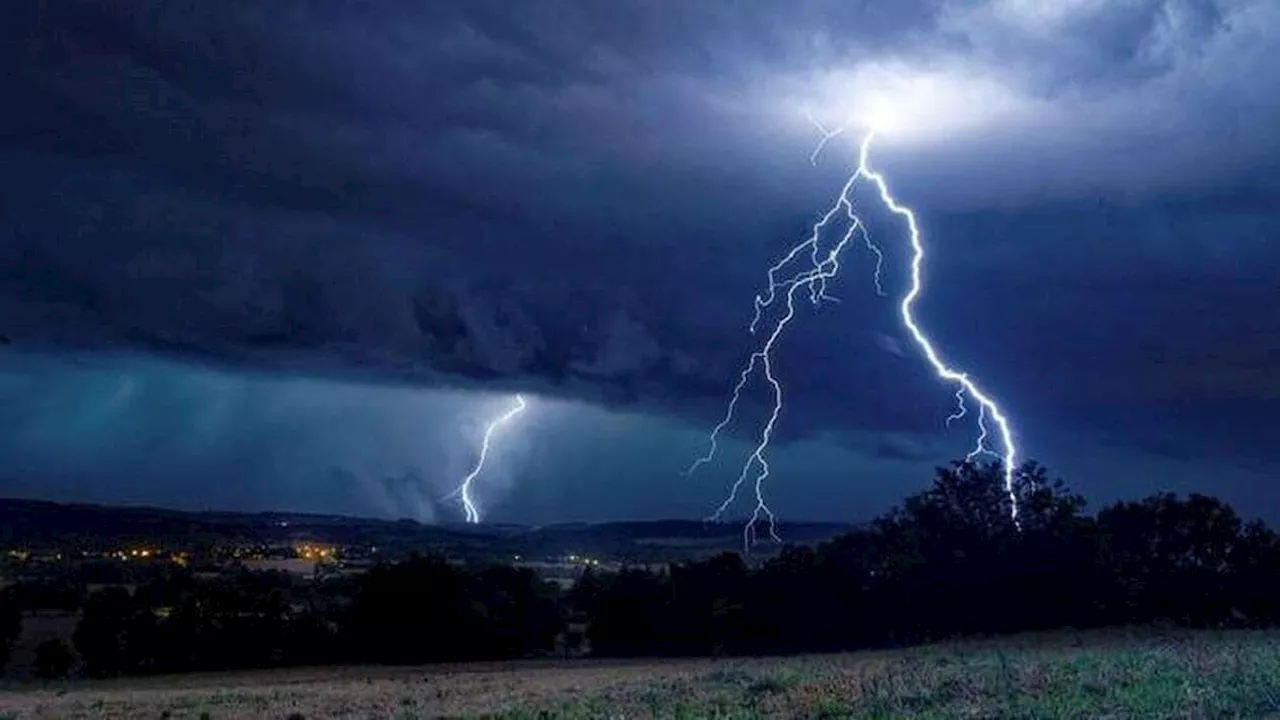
pixel 1058 675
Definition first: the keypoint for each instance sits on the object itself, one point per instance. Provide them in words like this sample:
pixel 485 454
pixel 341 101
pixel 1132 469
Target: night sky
pixel 292 254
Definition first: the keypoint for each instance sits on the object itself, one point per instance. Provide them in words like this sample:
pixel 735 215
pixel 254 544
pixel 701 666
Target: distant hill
pixel 39 524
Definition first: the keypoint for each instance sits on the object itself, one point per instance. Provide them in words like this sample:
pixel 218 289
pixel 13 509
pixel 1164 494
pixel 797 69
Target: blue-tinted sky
pixel 292 254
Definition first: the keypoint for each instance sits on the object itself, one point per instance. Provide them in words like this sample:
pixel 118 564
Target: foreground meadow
pixel 1060 675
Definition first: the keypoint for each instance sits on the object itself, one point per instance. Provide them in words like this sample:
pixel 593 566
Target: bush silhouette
pixel 53 660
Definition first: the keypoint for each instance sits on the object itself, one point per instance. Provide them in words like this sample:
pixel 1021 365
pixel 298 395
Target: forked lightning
pixel 822 267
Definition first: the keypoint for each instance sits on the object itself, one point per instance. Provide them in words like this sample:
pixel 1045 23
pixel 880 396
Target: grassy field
pixel 1060 675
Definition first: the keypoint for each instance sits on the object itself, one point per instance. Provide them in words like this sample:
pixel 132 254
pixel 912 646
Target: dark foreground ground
pixel 1059 675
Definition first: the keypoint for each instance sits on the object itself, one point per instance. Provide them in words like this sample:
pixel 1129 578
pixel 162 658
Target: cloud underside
pixel 581 200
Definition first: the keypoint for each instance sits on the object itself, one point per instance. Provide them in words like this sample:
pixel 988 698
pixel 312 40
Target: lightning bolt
pixel 827 268
pixel 986 404
pixel 822 268
pixel 464 488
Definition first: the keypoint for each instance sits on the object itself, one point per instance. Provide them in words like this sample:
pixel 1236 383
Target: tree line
pixel 954 561
pixel 948 562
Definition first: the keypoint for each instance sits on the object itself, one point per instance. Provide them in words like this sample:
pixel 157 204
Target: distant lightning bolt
pixel 824 267
pixel 464 489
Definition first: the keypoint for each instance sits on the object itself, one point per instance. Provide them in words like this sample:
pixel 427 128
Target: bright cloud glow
pixel 909 105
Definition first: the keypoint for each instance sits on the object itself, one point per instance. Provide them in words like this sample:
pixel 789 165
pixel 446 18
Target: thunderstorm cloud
pixel 579 200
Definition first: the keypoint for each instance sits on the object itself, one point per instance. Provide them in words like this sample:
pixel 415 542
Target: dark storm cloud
pixel 579 198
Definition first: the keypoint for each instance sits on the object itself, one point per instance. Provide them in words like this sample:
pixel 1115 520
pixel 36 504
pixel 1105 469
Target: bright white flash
pixel 464 489
pixel 812 278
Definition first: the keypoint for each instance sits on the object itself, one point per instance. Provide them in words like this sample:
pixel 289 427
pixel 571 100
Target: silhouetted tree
pixel 518 612
pixel 1255 583
pixel 707 612
pixel 630 615
pixel 101 637
pixel 53 660
pixel 1174 558
pixel 33 596
pixel 427 610
pixel 414 612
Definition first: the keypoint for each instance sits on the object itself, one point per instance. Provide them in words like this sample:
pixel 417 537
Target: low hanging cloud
pixel 579 199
